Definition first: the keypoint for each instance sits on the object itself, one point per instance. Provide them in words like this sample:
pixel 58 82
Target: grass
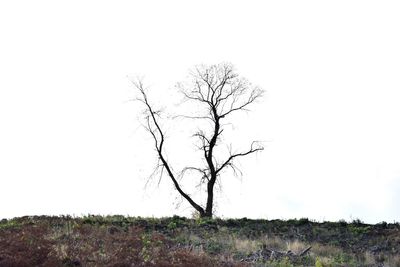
pixel 177 241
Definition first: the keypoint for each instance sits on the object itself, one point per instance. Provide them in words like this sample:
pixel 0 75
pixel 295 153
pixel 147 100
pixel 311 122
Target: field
pixel 133 241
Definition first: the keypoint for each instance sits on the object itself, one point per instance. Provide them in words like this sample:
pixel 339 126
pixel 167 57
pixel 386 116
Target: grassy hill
pixel 133 241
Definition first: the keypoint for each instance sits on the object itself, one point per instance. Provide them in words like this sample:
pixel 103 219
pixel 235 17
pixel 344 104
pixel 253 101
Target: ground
pixel 177 241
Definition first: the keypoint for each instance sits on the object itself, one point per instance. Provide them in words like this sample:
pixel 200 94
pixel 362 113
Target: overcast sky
pixel 71 140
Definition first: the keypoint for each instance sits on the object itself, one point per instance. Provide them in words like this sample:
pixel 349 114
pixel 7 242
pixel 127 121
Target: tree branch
pixel 159 144
pixel 232 156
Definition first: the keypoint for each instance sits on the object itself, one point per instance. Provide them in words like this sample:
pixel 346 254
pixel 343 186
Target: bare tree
pixel 220 91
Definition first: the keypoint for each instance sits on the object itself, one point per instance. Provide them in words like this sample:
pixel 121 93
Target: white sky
pixel 71 143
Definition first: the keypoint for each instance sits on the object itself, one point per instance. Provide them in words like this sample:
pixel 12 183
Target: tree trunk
pixel 210 196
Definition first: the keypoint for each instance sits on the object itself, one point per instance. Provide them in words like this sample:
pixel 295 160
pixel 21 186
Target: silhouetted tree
pixel 221 92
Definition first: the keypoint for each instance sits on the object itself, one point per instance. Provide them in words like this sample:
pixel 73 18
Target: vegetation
pixel 177 241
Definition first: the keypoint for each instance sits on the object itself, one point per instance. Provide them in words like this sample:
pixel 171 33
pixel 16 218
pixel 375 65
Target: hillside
pixel 133 241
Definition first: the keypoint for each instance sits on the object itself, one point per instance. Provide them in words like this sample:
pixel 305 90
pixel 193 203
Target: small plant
pixel 357 222
pixel 172 225
pixel 285 262
pixel 344 259
pixel 214 247
pixel 303 221
pixel 359 229
pixel 8 224
pixel 382 224
pixel 318 263
pixel 146 249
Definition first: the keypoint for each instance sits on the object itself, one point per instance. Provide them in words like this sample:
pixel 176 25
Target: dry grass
pixel 369 258
pixel 320 250
pixel 245 246
pixel 296 246
pixel 274 242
